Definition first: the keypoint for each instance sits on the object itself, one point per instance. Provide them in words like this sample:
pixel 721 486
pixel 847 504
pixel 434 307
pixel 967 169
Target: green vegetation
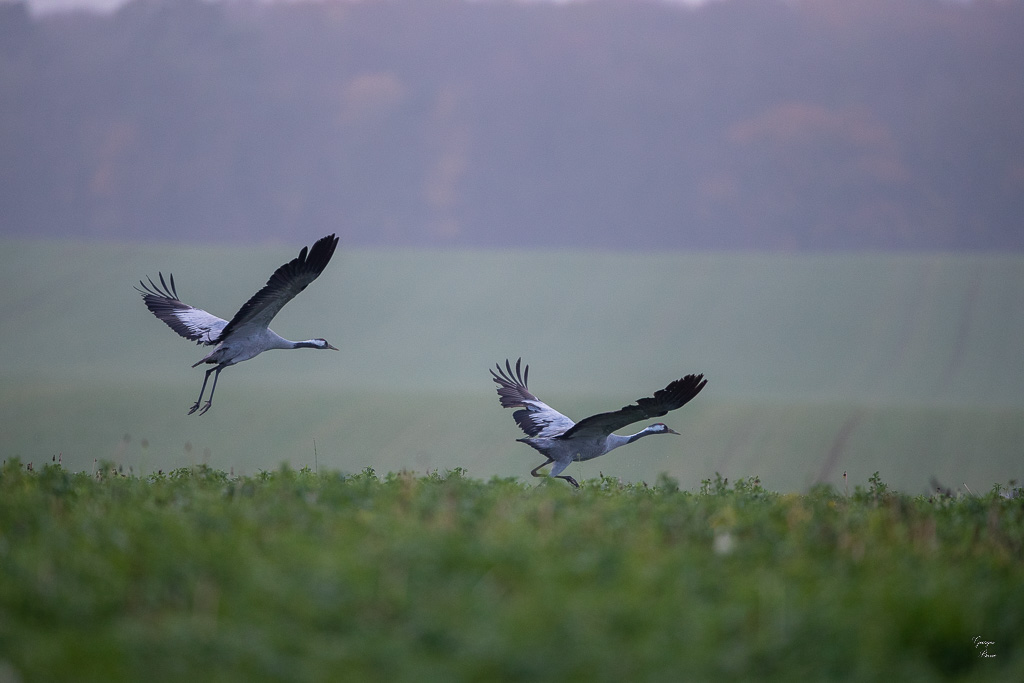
pixel 294 575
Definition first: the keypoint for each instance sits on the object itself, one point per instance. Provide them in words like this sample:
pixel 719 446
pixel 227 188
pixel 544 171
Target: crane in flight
pixel 563 441
pixel 248 333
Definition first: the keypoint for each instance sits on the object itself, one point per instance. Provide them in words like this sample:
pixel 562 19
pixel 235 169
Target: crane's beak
pixel 333 347
pixel 672 431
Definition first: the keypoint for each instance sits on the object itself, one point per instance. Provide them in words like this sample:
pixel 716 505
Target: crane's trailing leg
pixel 195 406
pixel 554 472
pixel 543 464
pixel 209 401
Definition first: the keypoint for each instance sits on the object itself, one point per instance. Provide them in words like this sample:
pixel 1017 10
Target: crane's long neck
pixel 614 440
pixel 653 429
pixel 276 341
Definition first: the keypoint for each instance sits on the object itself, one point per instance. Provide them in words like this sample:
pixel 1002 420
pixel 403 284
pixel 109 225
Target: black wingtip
pixel 161 291
pixel 677 394
pixel 512 390
pixel 521 374
pixel 319 255
pixel 508 376
pixel 686 388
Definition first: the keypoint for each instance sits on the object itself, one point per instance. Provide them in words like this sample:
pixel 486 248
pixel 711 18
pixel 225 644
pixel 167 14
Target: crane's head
pixel 322 344
pixel 661 428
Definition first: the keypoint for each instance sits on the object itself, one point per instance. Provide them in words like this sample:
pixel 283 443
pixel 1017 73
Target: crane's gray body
pixel 245 345
pixel 563 441
pixel 247 334
pixel 562 452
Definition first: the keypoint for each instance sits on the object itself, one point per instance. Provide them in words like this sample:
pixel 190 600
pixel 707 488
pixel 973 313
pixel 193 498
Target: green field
pixel 907 364
pixel 297 576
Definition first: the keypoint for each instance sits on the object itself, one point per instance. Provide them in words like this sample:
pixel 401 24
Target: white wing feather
pixel 536 418
pixel 190 322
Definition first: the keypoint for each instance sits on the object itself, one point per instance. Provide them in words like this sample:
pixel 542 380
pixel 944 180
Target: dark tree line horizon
pixel 746 124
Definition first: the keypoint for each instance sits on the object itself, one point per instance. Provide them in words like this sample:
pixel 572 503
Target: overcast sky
pixel 40 6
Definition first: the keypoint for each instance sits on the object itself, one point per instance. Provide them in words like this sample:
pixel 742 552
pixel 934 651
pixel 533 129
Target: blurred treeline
pixel 813 124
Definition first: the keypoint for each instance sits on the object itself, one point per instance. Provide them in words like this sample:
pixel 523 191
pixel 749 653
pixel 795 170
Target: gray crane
pixel 247 334
pixel 562 441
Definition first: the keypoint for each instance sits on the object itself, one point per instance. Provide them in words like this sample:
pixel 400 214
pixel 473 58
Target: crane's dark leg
pixel 209 401
pixel 543 464
pixel 195 406
pixel 554 471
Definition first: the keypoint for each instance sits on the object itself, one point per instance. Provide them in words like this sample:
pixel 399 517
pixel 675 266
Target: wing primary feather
pixel 191 323
pixel 535 418
pixel 285 283
pixel 174 289
pixel 512 389
pixel 677 394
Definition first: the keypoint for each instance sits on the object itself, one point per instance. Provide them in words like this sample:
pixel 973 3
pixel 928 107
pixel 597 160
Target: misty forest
pixel 751 124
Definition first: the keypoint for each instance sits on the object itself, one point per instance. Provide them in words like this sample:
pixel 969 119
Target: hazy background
pixel 816 203
pixel 753 124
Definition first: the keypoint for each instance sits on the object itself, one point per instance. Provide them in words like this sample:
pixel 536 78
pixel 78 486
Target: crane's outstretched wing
pixel 675 395
pixel 537 418
pixel 191 323
pixel 286 282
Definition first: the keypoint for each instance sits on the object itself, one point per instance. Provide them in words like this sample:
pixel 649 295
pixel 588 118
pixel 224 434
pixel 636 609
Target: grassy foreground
pixel 292 575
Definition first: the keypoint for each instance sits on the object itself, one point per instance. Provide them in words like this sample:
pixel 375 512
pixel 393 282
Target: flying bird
pixel 562 441
pixel 247 334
